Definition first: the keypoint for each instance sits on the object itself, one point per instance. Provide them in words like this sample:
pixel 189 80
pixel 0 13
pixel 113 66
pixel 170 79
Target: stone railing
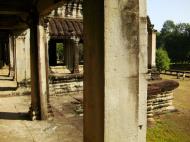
pixel 177 73
pixel 160 98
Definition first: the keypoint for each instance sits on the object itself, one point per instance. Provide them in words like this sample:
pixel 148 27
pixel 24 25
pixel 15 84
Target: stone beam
pixel 11 27
pixel 12 22
pixel 12 12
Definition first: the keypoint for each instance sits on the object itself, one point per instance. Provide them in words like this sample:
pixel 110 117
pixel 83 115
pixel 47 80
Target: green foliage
pixel 168 27
pixel 162 59
pixel 175 38
pixel 60 51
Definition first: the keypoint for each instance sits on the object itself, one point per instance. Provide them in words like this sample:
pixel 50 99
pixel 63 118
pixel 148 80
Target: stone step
pixel 6 85
pixel 8 78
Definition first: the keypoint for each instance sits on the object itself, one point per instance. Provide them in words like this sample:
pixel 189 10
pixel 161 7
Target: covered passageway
pixel 115 68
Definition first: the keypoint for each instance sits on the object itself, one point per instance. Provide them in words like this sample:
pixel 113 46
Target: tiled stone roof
pixel 62 28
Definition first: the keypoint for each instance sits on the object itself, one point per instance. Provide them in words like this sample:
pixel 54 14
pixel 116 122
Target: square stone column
pixel 115 87
pixel 11 55
pixel 76 55
pixel 69 53
pixel 39 69
pixel 152 49
pixel 22 52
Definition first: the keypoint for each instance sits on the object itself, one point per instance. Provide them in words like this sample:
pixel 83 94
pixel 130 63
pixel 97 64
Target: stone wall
pixel 58 85
pixel 63 88
pixel 66 84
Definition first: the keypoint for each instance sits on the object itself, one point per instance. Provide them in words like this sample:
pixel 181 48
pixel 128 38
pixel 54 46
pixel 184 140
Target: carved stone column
pixel 76 55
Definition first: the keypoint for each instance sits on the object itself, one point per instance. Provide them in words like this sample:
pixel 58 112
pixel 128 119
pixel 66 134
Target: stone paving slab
pixel 15 126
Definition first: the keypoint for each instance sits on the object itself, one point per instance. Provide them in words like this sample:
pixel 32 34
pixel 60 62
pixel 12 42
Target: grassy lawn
pixel 174 127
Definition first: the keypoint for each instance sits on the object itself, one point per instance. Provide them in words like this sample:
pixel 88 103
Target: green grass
pixel 167 131
pixel 174 127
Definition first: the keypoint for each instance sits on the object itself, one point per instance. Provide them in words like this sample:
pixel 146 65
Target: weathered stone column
pixel 39 70
pixel 27 55
pixel 153 63
pixel 152 49
pixel 69 53
pixel 11 55
pixel 43 69
pixel 115 87
pixel 20 57
pixel 76 56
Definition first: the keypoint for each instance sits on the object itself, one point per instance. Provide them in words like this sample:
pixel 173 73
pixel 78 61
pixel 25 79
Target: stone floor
pixel 15 126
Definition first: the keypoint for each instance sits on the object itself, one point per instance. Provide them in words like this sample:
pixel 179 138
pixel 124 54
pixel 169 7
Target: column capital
pixel 75 39
pixel 22 35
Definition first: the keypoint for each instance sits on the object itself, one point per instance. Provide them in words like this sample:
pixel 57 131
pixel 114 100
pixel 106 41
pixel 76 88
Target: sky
pixel 161 10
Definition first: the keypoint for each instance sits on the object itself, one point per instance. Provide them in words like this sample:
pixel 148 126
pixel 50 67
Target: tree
pixel 162 59
pixel 168 27
pixel 175 39
pixel 60 51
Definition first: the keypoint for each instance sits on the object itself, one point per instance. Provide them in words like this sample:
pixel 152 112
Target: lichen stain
pixel 130 21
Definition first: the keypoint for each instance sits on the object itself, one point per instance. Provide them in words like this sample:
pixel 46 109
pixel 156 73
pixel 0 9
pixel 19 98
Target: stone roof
pixel 60 28
pixel 150 26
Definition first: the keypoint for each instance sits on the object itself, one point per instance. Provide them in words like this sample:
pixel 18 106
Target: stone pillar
pixel 39 69
pixel 115 87
pixel 76 55
pixel 11 56
pixel 65 52
pixel 153 63
pixel 152 49
pixel 20 57
pixel 43 69
pixel 69 54
pixel 14 60
pixel 27 55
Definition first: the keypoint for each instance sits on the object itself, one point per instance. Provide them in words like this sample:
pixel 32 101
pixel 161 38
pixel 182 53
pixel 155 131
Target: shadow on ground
pixel 14 116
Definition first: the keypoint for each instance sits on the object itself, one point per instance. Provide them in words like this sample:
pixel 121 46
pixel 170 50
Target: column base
pixel 50 112
pixel 34 113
